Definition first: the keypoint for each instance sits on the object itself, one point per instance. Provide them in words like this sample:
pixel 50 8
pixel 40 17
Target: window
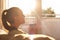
pixel 54 4
pixel 26 5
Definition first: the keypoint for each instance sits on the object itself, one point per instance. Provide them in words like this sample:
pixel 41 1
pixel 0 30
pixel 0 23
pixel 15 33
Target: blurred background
pixel 41 16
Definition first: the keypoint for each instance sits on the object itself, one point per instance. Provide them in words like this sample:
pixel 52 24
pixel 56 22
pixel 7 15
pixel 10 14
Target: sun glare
pixel 26 5
pixel 54 4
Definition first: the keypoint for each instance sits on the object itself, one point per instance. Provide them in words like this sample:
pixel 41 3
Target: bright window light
pixel 26 5
pixel 54 4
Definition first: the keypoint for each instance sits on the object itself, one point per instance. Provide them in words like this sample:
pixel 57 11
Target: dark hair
pixel 4 21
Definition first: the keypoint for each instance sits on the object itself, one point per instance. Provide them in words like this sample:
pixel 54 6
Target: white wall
pixel 51 26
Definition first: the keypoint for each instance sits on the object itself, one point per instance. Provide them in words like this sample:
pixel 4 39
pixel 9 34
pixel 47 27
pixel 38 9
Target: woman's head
pixel 14 16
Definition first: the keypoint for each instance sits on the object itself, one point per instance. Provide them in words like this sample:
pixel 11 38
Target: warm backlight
pixel 26 5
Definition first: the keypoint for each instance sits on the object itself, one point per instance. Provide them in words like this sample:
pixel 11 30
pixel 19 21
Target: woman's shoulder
pixel 13 32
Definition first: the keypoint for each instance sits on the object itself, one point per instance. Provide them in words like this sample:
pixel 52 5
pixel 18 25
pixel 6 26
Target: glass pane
pixel 26 5
pixel 53 4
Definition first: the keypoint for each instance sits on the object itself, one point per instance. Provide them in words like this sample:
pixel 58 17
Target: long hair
pixel 4 21
pixel 7 14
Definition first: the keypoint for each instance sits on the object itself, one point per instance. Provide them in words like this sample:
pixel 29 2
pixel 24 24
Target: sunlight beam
pixel 26 5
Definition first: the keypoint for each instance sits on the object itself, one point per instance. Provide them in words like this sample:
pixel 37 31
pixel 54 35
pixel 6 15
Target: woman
pixel 12 19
